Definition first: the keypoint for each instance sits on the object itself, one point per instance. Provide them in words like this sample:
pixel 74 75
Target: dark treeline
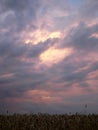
pixel 48 122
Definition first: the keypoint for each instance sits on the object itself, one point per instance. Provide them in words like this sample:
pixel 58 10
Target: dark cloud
pixel 20 5
pixel 80 38
pixel 11 49
pixel 24 12
pixel 89 9
pixel 16 5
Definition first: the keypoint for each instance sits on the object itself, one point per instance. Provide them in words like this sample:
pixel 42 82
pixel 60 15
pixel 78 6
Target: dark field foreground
pixel 48 122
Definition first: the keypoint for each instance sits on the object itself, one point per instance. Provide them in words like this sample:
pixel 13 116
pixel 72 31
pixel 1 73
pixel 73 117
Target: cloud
pixel 90 6
pixel 24 13
pixel 82 33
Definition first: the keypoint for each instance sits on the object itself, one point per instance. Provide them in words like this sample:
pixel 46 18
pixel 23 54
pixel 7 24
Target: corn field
pixel 48 122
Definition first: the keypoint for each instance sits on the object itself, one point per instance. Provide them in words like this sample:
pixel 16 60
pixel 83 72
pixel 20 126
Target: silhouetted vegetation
pixel 48 122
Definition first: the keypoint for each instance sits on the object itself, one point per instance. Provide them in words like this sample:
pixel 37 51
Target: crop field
pixel 48 122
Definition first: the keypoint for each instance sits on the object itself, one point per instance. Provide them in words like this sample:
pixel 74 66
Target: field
pixel 48 122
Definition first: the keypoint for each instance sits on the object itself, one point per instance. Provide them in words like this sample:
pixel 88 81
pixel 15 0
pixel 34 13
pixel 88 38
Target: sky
pixel 49 56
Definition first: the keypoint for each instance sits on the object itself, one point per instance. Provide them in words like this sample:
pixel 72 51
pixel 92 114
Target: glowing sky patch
pixel 53 55
pixel 41 36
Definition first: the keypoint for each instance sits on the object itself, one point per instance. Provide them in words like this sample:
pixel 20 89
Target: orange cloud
pixel 53 96
pixel 93 75
pixel 95 35
pixel 92 23
pixel 42 96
